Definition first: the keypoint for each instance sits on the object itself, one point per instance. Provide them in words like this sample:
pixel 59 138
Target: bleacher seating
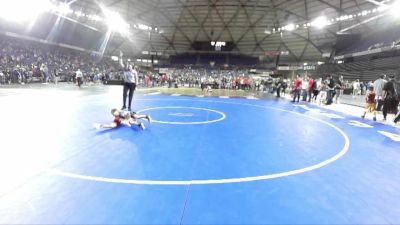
pixel 184 60
pixel 364 69
pixel 218 59
pixel 376 40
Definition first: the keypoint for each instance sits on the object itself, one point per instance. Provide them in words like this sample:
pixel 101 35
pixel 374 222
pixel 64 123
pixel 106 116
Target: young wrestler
pixel 126 118
pixel 370 103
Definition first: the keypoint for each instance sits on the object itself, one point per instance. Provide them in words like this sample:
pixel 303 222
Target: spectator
pixel 370 103
pixel 279 85
pixel 356 88
pixel 378 87
pixel 297 88
pixel 304 88
pixel 79 77
pixel 339 87
pixel 390 98
pixel 330 90
pixel 311 86
pixel 45 72
pixel 2 78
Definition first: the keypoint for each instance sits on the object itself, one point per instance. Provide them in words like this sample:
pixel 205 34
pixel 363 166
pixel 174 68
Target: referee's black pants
pixel 128 87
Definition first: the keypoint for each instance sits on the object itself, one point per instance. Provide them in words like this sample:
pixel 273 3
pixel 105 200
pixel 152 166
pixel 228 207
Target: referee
pixel 130 81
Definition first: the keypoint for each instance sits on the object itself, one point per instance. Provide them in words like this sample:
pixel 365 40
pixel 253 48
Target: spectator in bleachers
pixel 2 78
pixel 55 74
pixel 24 62
pixel 45 72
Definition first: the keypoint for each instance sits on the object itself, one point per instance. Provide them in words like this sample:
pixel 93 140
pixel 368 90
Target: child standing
pixel 370 103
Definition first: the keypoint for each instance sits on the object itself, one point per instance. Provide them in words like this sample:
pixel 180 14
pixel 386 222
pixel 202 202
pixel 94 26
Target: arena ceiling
pixel 254 26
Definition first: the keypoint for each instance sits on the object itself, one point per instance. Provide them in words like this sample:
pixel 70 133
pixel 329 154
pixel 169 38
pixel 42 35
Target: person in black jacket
pixel 397 117
pixel 390 98
pixel 279 86
pixel 397 90
pixel 331 90
pixel 338 89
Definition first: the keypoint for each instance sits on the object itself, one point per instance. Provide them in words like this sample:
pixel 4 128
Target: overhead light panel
pixel 23 10
pixel 394 9
pixel 115 21
pixel 144 27
pixel 290 27
pixel 320 22
pixel 78 13
pixel 383 8
pixel 63 8
pixel 364 13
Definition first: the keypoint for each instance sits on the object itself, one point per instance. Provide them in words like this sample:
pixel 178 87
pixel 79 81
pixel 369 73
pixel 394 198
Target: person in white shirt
pixel 356 88
pixel 45 71
pixel 304 88
pixel 130 80
pixel 2 78
pixel 322 87
pixel 79 77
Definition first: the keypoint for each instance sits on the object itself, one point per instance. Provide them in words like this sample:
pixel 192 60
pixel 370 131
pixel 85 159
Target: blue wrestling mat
pixel 201 161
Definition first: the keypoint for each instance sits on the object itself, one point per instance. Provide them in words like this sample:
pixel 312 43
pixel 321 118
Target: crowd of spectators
pixel 22 62
pixel 202 78
pixel 243 80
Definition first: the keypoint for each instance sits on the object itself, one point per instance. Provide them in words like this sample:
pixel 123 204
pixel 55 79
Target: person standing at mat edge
pixel 297 88
pixel 130 79
pixel 378 86
pixel 390 98
pixel 79 77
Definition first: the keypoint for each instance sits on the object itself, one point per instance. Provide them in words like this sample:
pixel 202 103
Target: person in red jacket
pixel 297 88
